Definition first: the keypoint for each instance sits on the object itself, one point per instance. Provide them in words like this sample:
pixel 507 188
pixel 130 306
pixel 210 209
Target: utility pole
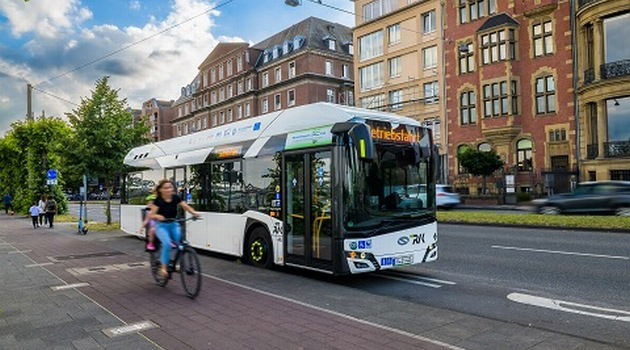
pixel 29 101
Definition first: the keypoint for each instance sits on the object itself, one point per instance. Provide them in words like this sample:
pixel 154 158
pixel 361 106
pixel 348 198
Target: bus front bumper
pixel 368 262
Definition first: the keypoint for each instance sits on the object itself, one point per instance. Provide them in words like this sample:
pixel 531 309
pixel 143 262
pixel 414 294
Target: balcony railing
pixel 592 151
pixel 617 149
pixel 589 76
pixel 615 69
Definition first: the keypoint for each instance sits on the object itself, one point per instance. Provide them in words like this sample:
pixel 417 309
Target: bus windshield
pixel 392 187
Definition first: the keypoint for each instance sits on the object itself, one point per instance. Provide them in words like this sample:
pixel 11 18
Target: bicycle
pixel 189 266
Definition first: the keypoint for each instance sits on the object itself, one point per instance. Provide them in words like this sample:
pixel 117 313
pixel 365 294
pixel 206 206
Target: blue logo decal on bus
pixel 366 244
pixel 353 245
pixel 256 126
pixel 361 244
pixel 387 261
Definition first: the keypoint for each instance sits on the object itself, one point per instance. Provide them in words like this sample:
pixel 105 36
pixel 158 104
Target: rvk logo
pixel 417 239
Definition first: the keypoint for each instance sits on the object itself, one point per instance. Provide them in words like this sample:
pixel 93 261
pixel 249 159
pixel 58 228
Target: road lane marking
pixel 69 286
pixel 39 265
pixel 567 306
pixel 413 276
pixel 129 329
pixel 619 257
pixel 409 280
pixel 19 251
pixel 338 314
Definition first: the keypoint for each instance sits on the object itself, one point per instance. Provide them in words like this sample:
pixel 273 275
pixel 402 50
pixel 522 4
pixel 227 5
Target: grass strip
pixel 565 221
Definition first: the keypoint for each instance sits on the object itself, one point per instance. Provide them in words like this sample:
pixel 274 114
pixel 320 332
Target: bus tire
pixel 259 251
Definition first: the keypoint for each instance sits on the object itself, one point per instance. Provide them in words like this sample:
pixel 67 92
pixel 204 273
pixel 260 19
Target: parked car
pixel 605 197
pixel 445 197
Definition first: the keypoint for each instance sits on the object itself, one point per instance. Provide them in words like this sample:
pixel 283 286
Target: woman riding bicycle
pixel 164 211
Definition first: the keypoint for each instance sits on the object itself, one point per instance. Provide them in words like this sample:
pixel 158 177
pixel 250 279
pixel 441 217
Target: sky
pixel 39 41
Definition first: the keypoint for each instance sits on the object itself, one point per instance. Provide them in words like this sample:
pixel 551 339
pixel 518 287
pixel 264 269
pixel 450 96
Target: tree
pixel 27 152
pixel 104 133
pixel 480 163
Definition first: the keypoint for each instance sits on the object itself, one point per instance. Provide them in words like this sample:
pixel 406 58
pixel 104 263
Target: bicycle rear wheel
pixel 154 259
pixel 190 269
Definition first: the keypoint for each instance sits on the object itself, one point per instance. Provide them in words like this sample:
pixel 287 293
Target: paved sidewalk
pixel 33 316
pixel 224 316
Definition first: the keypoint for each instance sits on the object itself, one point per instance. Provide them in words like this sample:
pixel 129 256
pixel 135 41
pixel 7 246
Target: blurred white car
pixel 445 197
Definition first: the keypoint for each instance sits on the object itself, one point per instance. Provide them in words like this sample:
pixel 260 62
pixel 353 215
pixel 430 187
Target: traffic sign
pixel 51 181
pixel 51 174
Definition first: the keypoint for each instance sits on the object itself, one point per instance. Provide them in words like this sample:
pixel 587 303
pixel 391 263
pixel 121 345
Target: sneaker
pixel 151 246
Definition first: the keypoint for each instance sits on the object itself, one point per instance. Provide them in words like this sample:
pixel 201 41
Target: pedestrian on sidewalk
pixel 34 210
pixel 51 210
pixel 7 199
pixel 42 211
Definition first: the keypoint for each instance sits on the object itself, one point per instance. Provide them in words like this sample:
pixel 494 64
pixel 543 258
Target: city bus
pixel 324 187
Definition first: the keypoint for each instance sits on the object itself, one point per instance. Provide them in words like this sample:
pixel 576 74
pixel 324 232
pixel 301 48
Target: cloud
pixel 41 18
pixel 155 68
pixel 135 5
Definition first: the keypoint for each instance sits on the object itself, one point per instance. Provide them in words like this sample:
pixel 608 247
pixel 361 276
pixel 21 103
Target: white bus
pixel 324 187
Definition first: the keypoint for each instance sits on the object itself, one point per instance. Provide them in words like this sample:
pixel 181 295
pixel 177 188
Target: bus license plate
pixel 401 260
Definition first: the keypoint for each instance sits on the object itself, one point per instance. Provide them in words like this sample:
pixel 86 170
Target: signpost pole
pixel 85 217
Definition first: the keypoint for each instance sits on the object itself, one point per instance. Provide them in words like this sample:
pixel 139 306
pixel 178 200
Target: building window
pixel 616 45
pixel 332 44
pixel 265 79
pixel 466 58
pixel 229 91
pixel 351 49
pixel 229 67
pixel 395 99
pixel 377 8
pixel 496 98
pixel 179 112
pixel 620 175
pixel 213 97
pixel 239 87
pixel 291 69
pixel 249 84
pixel 618 121
pixel 277 102
pixel 434 125
pixel 371 76
pixel 484 147
pixel 221 94
pixel 373 102
pixel 393 34
pixel 557 135
pixel 470 10
pixel 428 22
pixel 205 123
pixel 229 115
pixel 431 92
pixel 265 105
pixel 545 95
pixel 345 71
pixel 239 111
pixel 498 46
pixel 248 110
pixel 371 45
pixel 185 128
pixel 213 75
pixel 278 72
pixel 430 57
pixel 330 95
pixel 186 109
pixel 394 67
pixel 291 98
pixel 514 92
pixel 222 117
pixel 468 108
pixel 221 72
pixel 205 78
pixel 214 119
pixel 543 38
pixel 329 68
pixel 524 155
pixel 239 63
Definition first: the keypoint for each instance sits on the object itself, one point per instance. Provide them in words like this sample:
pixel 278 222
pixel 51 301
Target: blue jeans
pixel 167 232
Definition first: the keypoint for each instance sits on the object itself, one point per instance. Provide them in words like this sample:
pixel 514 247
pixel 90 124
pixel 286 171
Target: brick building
pixel 158 115
pixel 603 88
pixel 308 62
pixel 398 64
pixel 509 88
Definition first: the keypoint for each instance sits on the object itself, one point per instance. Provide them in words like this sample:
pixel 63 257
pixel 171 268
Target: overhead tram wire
pixel 55 96
pixel 89 63
pixel 317 2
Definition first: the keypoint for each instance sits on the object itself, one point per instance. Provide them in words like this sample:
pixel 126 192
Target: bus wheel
pixel 259 252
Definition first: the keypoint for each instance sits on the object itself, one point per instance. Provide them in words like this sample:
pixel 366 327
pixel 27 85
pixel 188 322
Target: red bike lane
pixel 224 316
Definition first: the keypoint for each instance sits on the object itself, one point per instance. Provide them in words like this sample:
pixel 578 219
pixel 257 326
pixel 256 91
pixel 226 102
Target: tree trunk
pixel 108 209
pixel 483 191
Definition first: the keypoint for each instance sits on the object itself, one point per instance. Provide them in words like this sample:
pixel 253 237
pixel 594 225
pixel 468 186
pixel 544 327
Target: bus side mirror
pixel 360 136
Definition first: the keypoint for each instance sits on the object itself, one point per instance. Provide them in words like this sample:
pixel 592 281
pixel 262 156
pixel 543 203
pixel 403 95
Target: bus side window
pixel 226 194
pixel 261 177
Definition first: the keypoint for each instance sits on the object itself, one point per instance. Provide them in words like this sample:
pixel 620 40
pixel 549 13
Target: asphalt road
pixel 568 283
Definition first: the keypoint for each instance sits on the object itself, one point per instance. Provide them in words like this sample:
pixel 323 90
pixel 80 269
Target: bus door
pixel 307 189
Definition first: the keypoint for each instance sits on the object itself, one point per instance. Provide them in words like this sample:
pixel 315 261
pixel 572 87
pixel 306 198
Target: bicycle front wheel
pixel 190 269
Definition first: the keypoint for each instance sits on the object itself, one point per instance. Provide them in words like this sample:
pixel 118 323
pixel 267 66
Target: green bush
pixel 523 196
